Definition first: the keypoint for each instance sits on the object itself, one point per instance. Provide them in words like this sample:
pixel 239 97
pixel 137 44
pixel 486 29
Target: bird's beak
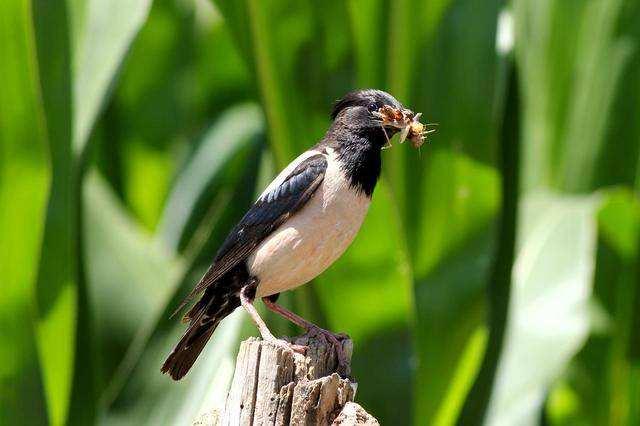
pixel 392 118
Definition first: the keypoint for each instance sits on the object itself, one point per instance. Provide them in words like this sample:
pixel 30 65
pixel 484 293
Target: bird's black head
pixel 360 112
pixel 369 99
pixel 361 127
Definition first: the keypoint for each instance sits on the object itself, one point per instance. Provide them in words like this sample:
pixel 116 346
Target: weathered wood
pixel 318 402
pixel 272 385
pixel 353 414
pixel 244 393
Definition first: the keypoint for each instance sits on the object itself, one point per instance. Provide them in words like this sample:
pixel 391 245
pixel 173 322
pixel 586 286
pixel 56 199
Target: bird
pixel 303 222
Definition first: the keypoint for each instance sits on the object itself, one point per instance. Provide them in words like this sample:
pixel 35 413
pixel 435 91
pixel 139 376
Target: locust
pixel 408 123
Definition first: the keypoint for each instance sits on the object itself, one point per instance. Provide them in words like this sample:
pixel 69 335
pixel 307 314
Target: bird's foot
pixel 286 345
pixel 301 349
pixel 344 369
pixel 314 331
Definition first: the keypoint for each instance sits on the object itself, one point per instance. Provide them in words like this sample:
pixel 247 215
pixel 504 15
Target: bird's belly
pixel 310 241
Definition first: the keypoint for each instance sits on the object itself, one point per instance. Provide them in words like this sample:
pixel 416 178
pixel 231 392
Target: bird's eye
pixel 373 107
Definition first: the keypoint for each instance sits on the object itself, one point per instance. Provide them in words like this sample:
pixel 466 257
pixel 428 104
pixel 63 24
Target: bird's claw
pixel 335 339
pixel 341 336
pixel 301 349
pixel 315 331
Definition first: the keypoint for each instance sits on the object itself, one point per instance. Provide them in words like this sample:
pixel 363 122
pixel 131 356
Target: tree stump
pixel 273 385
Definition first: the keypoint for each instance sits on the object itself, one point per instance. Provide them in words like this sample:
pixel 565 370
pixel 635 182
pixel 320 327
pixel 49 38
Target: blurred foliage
pixel 495 280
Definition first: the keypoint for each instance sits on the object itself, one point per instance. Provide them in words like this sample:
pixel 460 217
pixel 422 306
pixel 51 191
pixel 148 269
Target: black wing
pixel 266 215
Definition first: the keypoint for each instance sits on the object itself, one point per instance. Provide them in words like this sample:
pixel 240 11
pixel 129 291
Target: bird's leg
pixel 247 296
pixel 312 329
pixel 247 304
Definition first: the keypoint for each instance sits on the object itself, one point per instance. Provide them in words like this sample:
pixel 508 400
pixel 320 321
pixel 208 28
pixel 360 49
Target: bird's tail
pixel 203 319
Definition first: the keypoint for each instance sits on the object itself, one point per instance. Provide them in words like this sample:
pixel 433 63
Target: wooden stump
pixel 272 385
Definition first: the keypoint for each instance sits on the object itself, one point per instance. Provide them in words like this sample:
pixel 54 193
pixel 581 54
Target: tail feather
pixel 203 319
pixel 198 309
pixel 187 350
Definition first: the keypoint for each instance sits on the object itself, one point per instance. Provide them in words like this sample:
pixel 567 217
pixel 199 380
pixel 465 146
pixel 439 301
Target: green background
pixel 495 280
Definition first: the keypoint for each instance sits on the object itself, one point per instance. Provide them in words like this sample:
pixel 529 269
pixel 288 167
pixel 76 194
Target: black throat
pixel 359 155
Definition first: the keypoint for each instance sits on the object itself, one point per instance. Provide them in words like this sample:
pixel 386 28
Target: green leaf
pixel 546 68
pixel 237 129
pixel 24 181
pixel 549 307
pixel 600 58
pixel 580 84
pixel 150 398
pixel 618 159
pixel 68 93
pixel 450 308
pixel 100 48
pixel 131 278
pixel 299 65
pixel 460 86
pixel 500 281
pixel 148 128
pixel 57 284
pixel 603 375
pixel 269 74
pixel 462 199
pixel 367 17
pixel 572 59
pixel 618 222
pixel 452 196
pixel 451 242
pixel 193 214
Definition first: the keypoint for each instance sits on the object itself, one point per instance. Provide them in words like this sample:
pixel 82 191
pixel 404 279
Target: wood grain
pixel 272 385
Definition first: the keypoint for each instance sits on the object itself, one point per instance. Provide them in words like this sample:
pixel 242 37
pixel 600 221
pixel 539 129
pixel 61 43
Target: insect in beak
pixel 407 122
pixel 389 117
pixel 404 133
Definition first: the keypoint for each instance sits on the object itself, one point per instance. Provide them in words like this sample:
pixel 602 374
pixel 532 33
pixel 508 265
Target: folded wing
pixel 268 213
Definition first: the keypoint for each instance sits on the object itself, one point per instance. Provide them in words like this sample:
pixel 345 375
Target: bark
pixel 272 385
